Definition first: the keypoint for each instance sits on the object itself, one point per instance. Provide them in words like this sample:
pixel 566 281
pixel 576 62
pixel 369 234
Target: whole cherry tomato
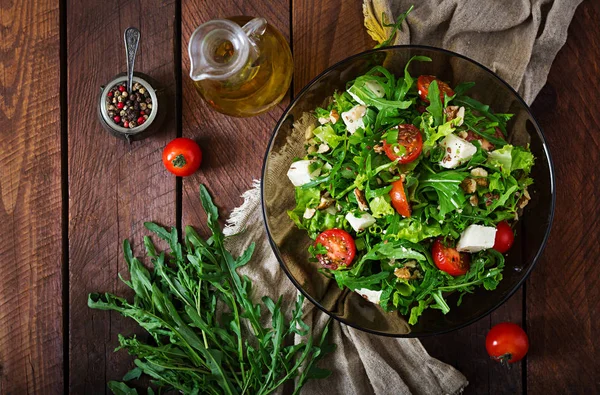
pixel 182 156
pixel 507 342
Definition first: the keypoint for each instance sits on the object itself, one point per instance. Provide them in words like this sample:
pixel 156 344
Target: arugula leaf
pixel 435 103
pixel 407 83
pixel 447 187
pixel 195 346
pixel 395 27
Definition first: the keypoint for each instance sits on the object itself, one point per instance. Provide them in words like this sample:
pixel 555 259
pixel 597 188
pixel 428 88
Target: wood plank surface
pixel 563 297
pixel 233 148
pixel 31 333
pixel 113 186
pixel 322 39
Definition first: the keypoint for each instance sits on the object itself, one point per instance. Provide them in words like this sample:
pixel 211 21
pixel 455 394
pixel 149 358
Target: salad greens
pixel 205 333
pixel 394 253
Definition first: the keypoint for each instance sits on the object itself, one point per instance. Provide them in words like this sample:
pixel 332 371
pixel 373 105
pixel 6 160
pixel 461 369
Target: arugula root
pixel 194 347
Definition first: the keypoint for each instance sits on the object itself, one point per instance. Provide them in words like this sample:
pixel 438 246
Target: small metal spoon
pixel 132 40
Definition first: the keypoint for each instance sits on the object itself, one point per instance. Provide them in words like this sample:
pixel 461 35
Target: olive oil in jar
pixel 241 66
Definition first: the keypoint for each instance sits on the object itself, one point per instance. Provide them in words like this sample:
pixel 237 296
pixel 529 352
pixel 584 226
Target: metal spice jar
pixel 131 115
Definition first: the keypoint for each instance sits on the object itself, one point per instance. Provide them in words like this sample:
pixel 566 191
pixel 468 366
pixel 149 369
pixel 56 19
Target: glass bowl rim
pixel 525 275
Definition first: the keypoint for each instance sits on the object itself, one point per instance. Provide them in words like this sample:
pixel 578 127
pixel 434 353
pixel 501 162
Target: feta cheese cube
pixel 458 151
pixel 353 118
pixel 299 173
pixel 360 223
pixel 476 238
pixel 370 295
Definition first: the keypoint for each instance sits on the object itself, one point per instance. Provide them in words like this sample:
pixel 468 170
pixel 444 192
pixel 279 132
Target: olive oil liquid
pixel 260 85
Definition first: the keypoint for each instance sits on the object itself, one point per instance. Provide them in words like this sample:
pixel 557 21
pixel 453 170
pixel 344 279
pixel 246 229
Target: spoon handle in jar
pixel 132 40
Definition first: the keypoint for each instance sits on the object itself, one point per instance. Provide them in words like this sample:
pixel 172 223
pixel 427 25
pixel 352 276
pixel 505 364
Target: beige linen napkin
pixel 518 40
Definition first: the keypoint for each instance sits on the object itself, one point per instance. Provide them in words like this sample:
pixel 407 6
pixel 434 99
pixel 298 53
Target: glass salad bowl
pixel 290 244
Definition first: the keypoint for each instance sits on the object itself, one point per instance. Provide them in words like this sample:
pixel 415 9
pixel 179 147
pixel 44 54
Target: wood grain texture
pixel 113 187
pixel 563 297
pixel 31 333
pixel 233 148
pixel 325 33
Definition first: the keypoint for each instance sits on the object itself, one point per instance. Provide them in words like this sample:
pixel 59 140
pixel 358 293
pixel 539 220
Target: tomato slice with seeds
pixel 448 259
pixel 399 200
pixel 410 138
pixel 340 247
pixel 423 83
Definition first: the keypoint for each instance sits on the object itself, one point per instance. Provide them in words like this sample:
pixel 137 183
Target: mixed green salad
pixel 409 189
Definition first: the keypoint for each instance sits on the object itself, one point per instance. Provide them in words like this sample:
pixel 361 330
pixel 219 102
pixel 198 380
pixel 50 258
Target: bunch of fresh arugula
pixel 440 206
pixel 205 331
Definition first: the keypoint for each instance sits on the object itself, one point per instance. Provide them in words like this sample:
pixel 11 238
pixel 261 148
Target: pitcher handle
pixel 255 29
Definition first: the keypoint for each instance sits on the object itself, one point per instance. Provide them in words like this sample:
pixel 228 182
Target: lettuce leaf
pixel 326 134
pixel 381 207
pixel 510 158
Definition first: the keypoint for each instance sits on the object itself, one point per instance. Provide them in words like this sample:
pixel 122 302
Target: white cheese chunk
pixel 376 88
pixel 323 120
pixel 458 151
pixel 476 238
pixel 299 173
pixel 361 222
pixel 353 118
pixel 460 114
pixel 323 148
pixel 309 213
pixel 370 295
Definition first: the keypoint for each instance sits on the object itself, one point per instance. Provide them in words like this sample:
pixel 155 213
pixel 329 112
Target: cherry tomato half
pixel 410 138
pixel 507 342
pixel 504 237
pixel 340 248
pixel 182 156
pixel 423 83
pixel 448 259
pixel 399 200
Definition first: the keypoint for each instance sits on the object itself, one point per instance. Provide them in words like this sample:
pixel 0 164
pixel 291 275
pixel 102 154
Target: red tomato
pixel 410 138
pixel 504 237
pixel 507 342
pixel 182 156
pixel 423 83
pixel 399 200
pixel 448 259
pixel 340 248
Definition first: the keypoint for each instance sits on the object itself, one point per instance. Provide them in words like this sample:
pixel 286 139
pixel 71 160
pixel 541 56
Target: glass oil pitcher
pixel 241 66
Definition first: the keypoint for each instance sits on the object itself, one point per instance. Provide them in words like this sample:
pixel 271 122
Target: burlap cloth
pixel 518 40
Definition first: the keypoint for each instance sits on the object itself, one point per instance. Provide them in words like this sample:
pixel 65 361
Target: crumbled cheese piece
pixel 476 238
pixel 458 151
pixel 353 118
pixel 299 173
pixel 361 222
pixel 370 295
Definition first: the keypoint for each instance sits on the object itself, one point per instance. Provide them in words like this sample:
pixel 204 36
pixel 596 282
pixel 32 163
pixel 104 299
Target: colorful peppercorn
pixel 129 109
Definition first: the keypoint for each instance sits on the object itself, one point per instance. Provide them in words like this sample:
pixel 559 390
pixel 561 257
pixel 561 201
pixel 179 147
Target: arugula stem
pixel 240 344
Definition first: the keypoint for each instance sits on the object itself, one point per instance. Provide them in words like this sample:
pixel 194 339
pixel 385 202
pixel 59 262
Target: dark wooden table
pixel 70 193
